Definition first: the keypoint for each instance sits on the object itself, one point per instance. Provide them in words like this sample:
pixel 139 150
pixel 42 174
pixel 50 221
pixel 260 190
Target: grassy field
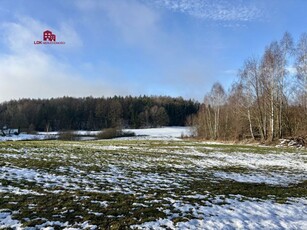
pixel 150 184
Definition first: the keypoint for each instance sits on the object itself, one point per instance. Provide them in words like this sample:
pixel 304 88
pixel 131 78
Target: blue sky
pixel 135 47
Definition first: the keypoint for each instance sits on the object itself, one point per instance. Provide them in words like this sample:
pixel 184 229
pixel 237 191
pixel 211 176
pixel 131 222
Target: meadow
pixel 151 184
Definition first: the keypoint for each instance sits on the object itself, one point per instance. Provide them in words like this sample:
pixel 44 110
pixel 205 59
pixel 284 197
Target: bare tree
pixel 218 97
pixel 286 49
pixel 248 77
pixel 301 67
pixel 208 117
pixel 263 101
pixel 272 74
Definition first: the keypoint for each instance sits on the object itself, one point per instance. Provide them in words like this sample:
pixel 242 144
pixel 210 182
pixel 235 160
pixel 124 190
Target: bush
pixel 109 133
pixel 113 133
pixel 67 136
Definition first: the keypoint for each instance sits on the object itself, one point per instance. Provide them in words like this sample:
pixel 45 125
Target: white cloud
pixel 136 22
pixel 69 35
pixel 31 71
pixel 216 10
pixel 21 34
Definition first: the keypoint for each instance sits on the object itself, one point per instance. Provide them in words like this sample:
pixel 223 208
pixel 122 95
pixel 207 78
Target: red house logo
pixel 48 39
pixel 49 36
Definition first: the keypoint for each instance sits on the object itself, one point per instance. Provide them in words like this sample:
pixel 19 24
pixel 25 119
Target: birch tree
pixel 272 68
pixel 301 67
pixel 249 81
pixel 286 49
pixel 218 99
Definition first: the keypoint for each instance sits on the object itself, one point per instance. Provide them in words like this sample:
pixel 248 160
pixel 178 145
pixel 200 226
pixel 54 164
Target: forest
pixel 267 101
pixel 68 113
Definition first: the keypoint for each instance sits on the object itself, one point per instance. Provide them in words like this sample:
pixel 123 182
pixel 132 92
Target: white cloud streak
pixel 215 10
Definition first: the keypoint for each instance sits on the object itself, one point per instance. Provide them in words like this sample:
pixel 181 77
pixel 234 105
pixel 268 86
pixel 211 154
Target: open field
pixel 151 184
pixel 172 132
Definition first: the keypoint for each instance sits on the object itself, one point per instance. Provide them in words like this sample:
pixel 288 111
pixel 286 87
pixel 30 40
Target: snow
pixel 6 221
pixel 40 177
pixel 236 214
pixel 23 136
pixel 115 179
pixel 273 168
pixel 150 133
pixel 161 133
pixel 16 190
pixel 269 178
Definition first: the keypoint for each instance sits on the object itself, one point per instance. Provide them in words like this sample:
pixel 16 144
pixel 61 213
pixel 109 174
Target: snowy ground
pixel 23 137
pixel 151 184
pixel 160 133
pixel 144 134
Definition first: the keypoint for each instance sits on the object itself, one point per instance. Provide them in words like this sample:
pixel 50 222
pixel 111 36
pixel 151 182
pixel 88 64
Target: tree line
pixel 68 113
pixel 267 101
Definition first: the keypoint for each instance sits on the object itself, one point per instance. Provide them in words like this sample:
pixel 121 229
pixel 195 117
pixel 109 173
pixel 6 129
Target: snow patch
pixel 6 221
pixel 235 214
pixel 270 178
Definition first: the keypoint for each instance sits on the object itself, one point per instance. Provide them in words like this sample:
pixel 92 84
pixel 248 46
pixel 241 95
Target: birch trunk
pixel 250 124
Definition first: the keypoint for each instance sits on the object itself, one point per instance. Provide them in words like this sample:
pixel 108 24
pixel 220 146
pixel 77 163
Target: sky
pixel 136 47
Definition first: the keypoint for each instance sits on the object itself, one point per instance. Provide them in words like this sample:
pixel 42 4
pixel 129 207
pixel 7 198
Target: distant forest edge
pixel 88 113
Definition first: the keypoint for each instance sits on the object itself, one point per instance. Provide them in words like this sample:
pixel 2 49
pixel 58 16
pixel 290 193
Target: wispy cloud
pixel 141 26
pixel 215 10
pixel 134 21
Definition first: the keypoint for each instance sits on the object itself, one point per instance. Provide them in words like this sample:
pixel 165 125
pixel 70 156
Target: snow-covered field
pixel 23 137
pixel 144 134
pixel 151 184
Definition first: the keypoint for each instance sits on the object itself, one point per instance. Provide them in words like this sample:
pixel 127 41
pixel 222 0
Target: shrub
pixel 67 136
pixel 109 133
pixel 113 133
